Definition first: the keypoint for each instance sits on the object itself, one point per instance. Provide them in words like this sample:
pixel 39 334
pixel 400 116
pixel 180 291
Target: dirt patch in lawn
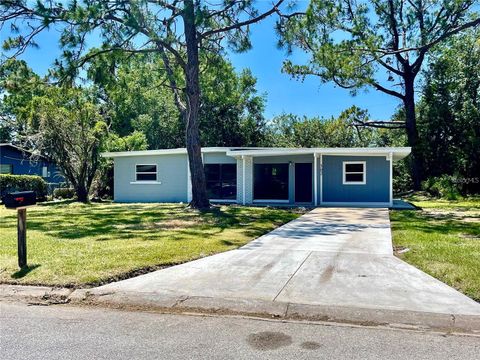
pixel 470 236
pixel 460 215
pixel 399 250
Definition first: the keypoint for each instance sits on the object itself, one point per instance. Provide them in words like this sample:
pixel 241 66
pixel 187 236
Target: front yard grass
pixel 73 244
pixel 444 240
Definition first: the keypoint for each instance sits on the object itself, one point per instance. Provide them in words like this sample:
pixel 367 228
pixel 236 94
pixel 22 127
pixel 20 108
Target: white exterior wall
pixel 171 185
pixel 248 185
pixel 218 158
pixel 239 181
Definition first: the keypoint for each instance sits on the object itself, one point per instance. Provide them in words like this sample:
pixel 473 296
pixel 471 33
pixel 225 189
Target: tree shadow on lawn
pixel 24 271
pixel 124 222
pixel 160 235
pixel 80 224
pixel 238 216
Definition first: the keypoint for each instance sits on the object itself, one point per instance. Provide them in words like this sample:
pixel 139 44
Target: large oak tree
pixel 381 44
pixel 175 29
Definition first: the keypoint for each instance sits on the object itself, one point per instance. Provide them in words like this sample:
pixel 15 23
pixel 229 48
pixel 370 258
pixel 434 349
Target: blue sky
pixel 310 97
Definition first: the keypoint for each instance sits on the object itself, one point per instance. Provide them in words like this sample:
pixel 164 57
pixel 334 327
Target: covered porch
pixel 279 180
pixel 315 177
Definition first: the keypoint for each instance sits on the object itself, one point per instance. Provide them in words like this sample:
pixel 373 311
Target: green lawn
pixel 73 244
pixel 444 240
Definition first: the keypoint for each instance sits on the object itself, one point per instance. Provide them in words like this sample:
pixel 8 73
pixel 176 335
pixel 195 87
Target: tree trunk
pixel 192 133
pixel 82 193
pixel 412 133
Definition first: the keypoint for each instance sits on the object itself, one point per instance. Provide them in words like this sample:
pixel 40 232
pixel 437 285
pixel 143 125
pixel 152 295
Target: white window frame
pixel 146 172
pixel 364 173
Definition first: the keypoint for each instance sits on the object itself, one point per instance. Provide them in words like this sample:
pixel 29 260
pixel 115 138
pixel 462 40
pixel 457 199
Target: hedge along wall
pixel 12 183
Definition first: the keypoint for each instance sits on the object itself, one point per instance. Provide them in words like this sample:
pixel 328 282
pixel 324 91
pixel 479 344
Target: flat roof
pixel 161 152
pixel 398 153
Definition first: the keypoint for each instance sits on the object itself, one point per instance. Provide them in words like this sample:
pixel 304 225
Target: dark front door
pixel 303 182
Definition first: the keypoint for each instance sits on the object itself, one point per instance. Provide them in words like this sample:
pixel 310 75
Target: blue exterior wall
pixel 23 165
pixel 376 189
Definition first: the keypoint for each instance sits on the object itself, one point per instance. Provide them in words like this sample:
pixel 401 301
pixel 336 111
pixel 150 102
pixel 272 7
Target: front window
pixel 270 182
pixel 6 169
pixel 354 173
pixel 221 181
pixel 146 172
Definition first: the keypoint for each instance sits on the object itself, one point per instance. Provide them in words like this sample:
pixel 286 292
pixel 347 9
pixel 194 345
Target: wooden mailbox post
pixel 22 237
pixel 21 201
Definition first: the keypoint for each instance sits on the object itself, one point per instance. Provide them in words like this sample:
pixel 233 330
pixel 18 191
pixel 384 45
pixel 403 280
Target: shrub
pixel 63 193
pixel 11 183
pixel 442 187
pixel 402 180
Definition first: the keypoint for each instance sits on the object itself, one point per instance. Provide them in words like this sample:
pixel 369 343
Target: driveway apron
pixel 329 256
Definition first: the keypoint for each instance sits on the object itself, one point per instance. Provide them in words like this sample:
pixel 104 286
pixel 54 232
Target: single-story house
pixel 280 176
pixel 17 161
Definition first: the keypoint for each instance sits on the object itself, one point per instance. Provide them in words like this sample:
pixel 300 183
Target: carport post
pixel 243 179
pixel 22 237
pixel 315 159
pixel 390 157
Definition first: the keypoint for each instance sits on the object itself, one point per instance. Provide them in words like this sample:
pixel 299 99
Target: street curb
pixel 169 303
pixel 289 311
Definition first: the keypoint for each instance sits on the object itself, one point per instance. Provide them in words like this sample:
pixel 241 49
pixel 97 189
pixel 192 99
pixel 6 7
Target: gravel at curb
pixel 35 294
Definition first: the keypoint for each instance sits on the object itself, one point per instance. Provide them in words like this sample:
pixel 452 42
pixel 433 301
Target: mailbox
pixel 19 199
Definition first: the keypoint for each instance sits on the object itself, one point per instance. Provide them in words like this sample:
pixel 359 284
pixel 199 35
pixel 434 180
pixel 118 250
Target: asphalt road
pixel 65 332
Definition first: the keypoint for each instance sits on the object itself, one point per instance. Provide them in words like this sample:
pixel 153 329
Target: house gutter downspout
pixel 321 178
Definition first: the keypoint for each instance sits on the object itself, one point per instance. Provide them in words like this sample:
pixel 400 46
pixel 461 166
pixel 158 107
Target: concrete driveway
pixel 329 256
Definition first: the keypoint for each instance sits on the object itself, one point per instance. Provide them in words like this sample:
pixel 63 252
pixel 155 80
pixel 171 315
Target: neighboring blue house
pixel 290 176
pixel 17 161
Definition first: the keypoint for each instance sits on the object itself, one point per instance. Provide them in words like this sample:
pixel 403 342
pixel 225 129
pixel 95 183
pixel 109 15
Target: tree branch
pixel 396 37
pixel 388 67
pixel 379 124
pixel 450 33
pixel 92 55
pixel 387 91
pixel 161 43
pixel 243 23
pixel 182 108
